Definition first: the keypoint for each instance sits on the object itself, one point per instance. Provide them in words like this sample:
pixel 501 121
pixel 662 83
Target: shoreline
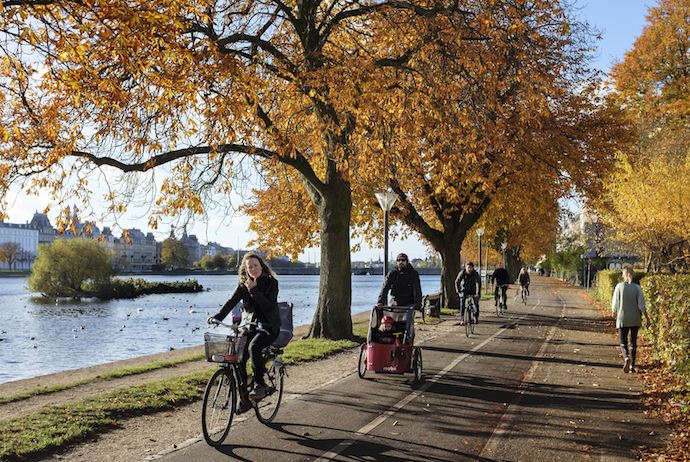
pixel 90 372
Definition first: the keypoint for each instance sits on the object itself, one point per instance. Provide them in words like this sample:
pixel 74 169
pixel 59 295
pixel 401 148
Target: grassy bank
pixel 57 427
pixel 123 372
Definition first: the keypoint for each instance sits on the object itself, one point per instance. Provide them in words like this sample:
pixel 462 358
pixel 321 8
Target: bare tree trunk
pixel 332 318
pixel 450 256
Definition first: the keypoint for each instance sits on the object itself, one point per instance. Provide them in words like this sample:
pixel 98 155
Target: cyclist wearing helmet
pixel 386 329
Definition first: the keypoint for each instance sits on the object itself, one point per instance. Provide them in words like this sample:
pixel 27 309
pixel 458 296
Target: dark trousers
pixel 503 288
pixel 256 341
pixel 623 333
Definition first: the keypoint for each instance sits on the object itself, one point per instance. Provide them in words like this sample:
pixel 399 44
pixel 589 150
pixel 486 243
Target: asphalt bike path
pixel 542 383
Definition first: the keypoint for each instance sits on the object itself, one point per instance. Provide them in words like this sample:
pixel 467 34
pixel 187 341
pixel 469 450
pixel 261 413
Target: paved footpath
pixel 543 383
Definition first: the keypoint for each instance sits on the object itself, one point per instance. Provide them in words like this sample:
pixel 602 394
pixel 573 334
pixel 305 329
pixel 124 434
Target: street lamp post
pixel 480 233
pixel 386 201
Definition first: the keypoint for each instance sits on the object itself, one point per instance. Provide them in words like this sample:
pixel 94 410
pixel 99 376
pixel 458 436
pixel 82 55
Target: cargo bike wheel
pixel 417 366
pixel 362 364
pixel 218 409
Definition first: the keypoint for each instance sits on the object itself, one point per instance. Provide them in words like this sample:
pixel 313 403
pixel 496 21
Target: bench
pixel 431 304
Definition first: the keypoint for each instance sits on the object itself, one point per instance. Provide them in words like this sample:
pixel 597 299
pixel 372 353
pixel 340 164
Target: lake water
pixel 41 337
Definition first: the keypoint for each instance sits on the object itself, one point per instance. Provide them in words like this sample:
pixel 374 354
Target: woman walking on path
pixel 627 307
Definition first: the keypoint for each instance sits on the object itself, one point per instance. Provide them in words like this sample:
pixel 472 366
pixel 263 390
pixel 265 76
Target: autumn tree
pixel 135 86
pixel 526 218
pixel 517 109
pixel 174 254
pixel 646 206
pixel 63 267
pixel 10 253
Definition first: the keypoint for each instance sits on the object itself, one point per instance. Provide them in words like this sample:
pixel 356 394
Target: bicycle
pixel 220 396
pixel 500 300
pixel 523 294
pixel 470 318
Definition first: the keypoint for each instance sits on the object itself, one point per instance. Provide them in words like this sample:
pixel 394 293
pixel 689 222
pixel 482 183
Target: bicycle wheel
pixel 417 366
pixel 524 296
pixel 499 310
pixel 362 365
pixel 468 320
pixel 473 317
pixel 218 409
pixel 267 408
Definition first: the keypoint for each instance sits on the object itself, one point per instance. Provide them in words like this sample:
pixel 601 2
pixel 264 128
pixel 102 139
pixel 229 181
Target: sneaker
pixel 633 369
pixel 626 366
pixel 258 393
pixel 243 406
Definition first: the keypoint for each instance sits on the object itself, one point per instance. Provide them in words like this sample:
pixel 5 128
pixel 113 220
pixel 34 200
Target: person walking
pixel 627 307
pixel 403 283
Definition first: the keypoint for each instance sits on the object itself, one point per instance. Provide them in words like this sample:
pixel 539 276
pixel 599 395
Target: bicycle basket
pixel 224 348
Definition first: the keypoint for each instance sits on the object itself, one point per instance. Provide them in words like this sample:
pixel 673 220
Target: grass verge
pixel 56 427
pixel 123 372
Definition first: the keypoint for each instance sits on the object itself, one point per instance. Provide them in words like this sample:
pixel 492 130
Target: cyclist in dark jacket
pixel 501 280
pixel 523 277
pixel 258 290
pixel 403 283
pixel 468 283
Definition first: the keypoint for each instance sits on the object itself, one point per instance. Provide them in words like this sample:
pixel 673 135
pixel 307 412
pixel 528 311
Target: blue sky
pixel 619 21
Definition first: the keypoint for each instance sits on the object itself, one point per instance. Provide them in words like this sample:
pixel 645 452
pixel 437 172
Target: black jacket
pixel 405 288
pixel 262 301
pixel 501 277
pixel 524 279
pixel 468 284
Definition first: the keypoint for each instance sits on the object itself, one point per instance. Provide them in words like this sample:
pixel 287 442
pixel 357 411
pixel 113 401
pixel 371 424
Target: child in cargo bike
pixel 258 290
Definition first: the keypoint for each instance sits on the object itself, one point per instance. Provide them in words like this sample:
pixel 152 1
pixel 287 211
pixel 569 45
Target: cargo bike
pixel 390 343
pixel 225 345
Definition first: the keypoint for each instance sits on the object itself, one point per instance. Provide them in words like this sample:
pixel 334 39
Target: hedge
pixel 606 281
pixel 668 306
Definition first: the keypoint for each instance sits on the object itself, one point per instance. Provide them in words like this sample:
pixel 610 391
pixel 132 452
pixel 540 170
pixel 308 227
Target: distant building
pixel 213 248
pixel 26 237
pixel 46 232
pixel 192 245
pixel 133 252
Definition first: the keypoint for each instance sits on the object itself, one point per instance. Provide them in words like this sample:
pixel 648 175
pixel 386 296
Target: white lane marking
pixel 343 445
pixel 238 419
pixel 502 430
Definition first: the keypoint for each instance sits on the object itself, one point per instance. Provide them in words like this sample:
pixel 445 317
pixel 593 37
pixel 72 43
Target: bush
pixel 668 301
pixel 132 288
pixel 606 281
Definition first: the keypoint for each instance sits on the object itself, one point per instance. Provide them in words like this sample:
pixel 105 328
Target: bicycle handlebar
pixel 234 327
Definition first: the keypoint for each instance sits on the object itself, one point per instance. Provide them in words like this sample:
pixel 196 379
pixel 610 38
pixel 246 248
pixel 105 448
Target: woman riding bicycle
pixel 258 290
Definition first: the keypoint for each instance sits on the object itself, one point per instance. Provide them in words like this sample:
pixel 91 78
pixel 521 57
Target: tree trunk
pixel 450 256
pixel 332 318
